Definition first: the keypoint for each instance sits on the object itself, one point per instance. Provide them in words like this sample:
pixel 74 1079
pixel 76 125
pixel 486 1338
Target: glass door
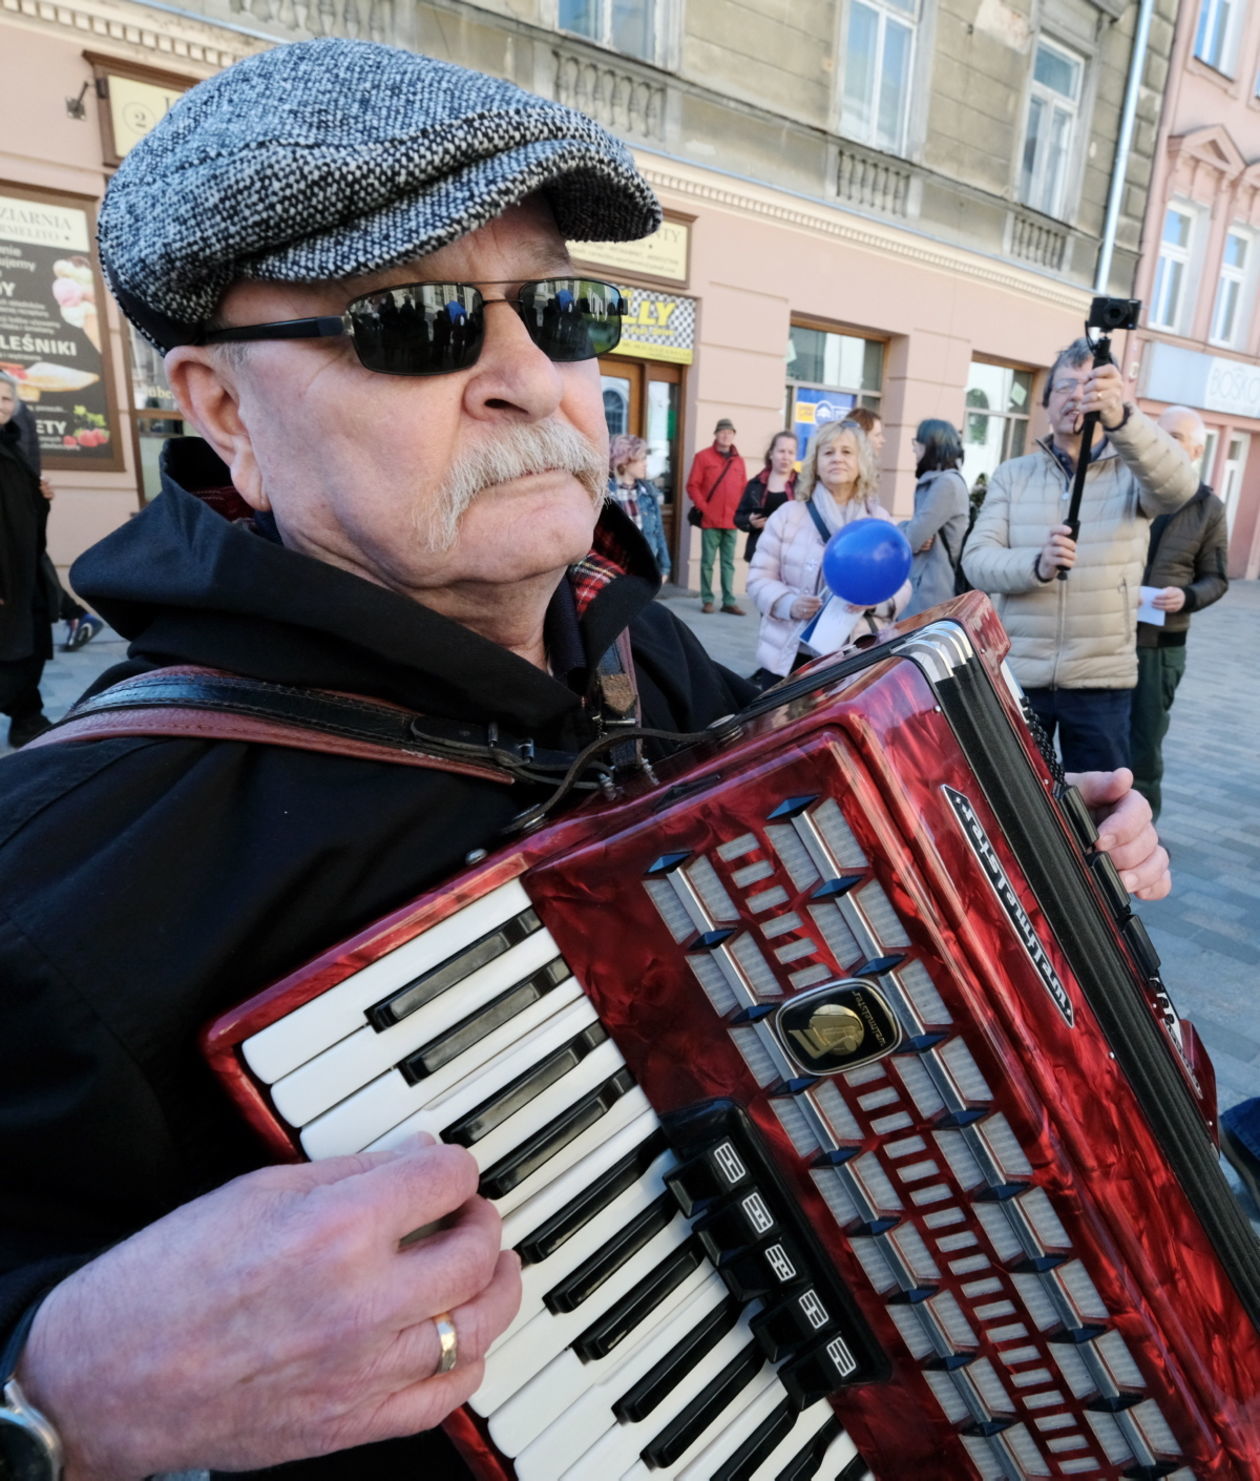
pixel 643 397
pixel 1232 474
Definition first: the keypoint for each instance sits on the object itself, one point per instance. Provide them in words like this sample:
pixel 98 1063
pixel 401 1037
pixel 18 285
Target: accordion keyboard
pixel 629 1356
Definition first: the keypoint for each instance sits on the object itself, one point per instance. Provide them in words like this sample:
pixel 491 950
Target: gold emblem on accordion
pixel 832 1029
pixel 837 1026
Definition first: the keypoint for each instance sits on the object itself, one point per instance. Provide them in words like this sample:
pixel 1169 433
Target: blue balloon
pixel 866 562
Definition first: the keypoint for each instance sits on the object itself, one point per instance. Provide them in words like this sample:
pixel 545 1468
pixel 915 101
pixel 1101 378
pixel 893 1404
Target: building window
pixel 878 53
pixel 998 400
pixel 827 375
pixel 1172 270
pixel 632 27
pixel 1214 38
pixel 1229 317
pixel 1052 108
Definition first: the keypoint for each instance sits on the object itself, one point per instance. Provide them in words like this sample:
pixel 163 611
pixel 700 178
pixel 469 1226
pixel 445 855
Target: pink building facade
pixel 1199 274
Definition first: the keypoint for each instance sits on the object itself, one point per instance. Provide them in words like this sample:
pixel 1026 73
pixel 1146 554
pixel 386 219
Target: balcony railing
pixel 621 99
pixel 872 182
pixel 1038 240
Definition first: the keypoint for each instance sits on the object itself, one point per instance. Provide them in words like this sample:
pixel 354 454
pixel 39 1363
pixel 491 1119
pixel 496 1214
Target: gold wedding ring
pixel 448 1341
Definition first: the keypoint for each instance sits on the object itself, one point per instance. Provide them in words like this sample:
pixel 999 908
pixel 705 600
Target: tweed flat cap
pixel 332 158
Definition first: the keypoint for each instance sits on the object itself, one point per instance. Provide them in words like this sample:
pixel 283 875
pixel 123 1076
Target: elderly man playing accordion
pixel 354 259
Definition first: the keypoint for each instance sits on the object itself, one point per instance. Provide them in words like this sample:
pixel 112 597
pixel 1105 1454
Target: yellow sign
pixel 134 107
pixel 658 326
pixel 662 255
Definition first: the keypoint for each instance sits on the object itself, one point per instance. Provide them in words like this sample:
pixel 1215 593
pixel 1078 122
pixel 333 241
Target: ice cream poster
pixel 52 329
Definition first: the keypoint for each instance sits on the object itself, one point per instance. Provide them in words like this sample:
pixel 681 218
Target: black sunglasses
pixel 437 328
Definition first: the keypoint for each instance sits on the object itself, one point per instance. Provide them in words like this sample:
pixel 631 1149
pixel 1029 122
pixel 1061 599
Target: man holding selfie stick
pixel 1073 640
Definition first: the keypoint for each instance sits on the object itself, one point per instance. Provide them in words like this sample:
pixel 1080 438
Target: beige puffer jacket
pixel 1079 633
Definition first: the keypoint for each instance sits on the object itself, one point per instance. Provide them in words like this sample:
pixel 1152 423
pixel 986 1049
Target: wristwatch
pixel 30 1448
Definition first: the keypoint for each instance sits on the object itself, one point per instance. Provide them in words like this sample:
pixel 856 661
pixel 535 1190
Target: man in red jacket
pixel 714 486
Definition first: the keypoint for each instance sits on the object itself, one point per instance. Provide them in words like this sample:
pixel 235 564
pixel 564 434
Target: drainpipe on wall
pixel 1137 65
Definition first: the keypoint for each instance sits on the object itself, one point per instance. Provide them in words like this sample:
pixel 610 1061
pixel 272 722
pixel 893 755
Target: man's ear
pixel 208 395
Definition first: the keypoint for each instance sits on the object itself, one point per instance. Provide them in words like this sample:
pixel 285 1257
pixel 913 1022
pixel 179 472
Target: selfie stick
pixel 1102 356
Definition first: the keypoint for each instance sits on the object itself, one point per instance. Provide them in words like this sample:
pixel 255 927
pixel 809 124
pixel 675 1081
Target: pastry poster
pixel 52 329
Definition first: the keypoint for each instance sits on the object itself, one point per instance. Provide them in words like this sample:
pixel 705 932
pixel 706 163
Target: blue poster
pixel 812 408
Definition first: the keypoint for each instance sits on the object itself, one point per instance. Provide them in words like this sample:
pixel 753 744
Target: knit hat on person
pixel 331 159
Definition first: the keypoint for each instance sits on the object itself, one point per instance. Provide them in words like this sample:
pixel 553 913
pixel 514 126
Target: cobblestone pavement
pixel 1208 930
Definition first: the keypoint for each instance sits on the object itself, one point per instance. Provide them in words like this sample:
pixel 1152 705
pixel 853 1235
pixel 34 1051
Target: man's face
pixel 1185 429
pixel 1063 407
pixel 725 439
pixel 8 402
pixel 352 462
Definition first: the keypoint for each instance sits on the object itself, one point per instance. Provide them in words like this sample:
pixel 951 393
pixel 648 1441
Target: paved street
pixel 1208 931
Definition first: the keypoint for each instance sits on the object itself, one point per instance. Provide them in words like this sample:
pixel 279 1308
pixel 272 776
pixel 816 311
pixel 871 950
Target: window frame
pixel 1226 60
pixel 1242 279
pixel 660 27
pixel 872 399
pixel 1174 324
pixel 1016 425
pixel 1034 197
pixel 911 21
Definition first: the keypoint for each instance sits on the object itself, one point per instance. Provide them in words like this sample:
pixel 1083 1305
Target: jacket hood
pixel 191 579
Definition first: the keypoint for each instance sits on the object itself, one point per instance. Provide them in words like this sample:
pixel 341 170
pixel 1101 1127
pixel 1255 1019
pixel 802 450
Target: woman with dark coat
pixel 941 506
pixel 768 491
pixel 27 606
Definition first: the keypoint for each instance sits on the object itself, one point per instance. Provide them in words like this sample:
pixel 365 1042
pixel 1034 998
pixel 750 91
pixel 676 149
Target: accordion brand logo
pixel 1005 891
pixel 837 1027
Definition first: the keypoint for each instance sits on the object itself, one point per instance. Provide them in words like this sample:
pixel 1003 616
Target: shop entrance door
pixel 643 397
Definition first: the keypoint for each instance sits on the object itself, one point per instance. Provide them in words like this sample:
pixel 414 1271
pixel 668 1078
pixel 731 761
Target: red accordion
pixel 828 1088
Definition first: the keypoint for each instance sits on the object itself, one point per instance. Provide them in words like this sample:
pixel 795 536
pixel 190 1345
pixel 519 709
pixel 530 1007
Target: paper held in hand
pixel 1147 610
pixel 831 627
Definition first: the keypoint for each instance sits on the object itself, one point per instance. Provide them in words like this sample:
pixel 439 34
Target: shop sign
pixel 813 408
pixel 52 328
pixel 659 326
pixel 1209 382
pixel 662 255
pixel 1233 386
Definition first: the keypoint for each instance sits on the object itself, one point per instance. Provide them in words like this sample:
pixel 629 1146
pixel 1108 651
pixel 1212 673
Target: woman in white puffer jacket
pixel 838 478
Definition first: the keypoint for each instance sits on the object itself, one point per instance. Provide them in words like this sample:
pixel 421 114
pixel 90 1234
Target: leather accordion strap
pixel 202 703
pixel 619 693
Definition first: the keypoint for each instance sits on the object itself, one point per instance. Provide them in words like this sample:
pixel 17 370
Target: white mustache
pixel 509 453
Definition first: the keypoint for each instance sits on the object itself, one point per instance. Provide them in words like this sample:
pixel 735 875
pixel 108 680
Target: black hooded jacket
pixel 148 884
pixel 25 608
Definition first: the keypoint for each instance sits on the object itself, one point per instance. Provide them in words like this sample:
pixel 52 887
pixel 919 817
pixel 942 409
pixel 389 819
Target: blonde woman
pixel 836 485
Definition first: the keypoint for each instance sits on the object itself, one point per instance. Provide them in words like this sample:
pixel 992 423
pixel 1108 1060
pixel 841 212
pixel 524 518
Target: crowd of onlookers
pixel 1097 623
